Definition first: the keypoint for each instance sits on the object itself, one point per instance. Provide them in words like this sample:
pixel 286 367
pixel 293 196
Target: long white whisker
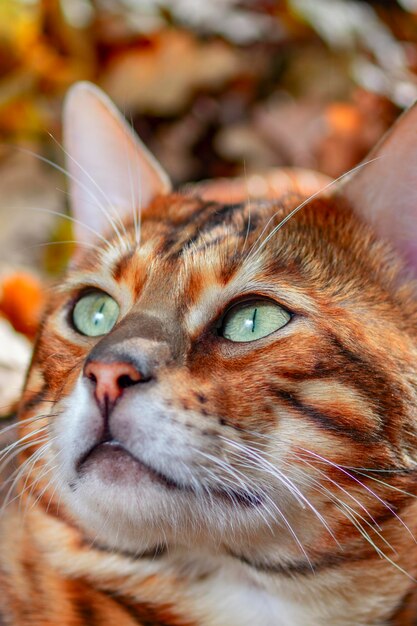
pixel 16 444
pixel 132 192
pixel 42 476
pixel 300 458
pixel 18 423
pixel 382 482
pixel 75 221
pixel 235 474
pixel 17 474
pixel 83 186
pixel 274 471
pixel 299 207
pixel 8 458
pixel 20 472
pixel 94 182
pixel 140 199
pixel 343 506
pixel 368 489
pixel 28 470
pixel 227 486
pixel 85 244
pixel 249 209
pixel 246 484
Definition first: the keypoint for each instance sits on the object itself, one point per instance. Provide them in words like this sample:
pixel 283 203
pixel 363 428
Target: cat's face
pixel 219 383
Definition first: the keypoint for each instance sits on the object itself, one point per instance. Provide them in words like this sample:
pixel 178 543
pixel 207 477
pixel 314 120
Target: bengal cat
pixel 219 424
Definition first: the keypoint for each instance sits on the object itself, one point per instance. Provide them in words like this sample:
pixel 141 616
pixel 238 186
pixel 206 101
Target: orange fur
pixel 316 423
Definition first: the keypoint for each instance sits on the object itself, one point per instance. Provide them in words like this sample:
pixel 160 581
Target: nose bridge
pixel 143 339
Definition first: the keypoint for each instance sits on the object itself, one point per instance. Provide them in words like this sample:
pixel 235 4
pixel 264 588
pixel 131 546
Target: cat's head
pixel 231 375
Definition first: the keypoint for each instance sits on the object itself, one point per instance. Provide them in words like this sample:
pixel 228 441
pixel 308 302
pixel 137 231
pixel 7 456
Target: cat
pixel 219 423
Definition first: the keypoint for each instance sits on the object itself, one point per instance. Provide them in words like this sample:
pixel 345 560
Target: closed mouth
pixel 113 448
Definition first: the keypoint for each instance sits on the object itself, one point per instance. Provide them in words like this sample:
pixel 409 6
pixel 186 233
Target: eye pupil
pixel 253 320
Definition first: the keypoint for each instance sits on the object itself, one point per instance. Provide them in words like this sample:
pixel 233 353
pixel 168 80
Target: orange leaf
pixel 22 302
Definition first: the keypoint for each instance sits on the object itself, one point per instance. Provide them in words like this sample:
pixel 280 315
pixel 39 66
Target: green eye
pixel 253 320
pixel 95 314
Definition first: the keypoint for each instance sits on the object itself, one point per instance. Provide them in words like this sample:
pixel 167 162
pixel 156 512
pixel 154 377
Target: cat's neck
pixel 361 595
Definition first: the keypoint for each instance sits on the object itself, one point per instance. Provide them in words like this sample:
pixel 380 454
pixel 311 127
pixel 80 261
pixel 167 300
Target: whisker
pixel 8 458
pixel 17 443
pixel 75 221
pixel 272 503
pixel 385 484
pixel 132 192
pixel 368 489
pixel 345 491
pixel 253 253
pixel 28 470
pixel 19 474
pixel 245 484
pixel 274 507
pixel 356 518
pixel 140 196
pixel 47 471
pixel 352 517
pixel 19 422
pixel 85 244
pixel 83 186
pixel 249 209
pixel 94 182
pixel 342 506
pixel 228 487
pixel 274 471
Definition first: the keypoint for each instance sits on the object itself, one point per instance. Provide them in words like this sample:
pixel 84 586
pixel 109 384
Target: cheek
pixel 236 391
pixel 60 362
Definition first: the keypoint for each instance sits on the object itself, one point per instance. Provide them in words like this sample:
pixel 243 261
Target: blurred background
pixel 214 87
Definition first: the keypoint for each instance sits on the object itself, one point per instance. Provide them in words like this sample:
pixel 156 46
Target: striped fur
pixel 276 482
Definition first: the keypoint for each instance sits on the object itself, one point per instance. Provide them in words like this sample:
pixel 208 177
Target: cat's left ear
pixel 111 172
pixel 384 191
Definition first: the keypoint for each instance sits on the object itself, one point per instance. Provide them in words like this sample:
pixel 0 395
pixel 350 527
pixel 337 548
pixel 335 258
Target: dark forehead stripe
pixel 180 223
pixel 223 213
pixel 250 213
pixel 190 234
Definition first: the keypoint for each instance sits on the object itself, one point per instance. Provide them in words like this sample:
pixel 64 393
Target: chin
pixel 123 507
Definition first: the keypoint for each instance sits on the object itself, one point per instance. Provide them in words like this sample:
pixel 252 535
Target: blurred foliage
pixel 214 88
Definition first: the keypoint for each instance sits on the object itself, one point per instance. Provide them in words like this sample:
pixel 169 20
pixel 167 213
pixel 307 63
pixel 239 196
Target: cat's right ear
pixel 112 174
pixel 383 189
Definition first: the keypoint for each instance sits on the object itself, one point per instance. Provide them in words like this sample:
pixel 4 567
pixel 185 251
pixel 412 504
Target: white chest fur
pixel 235 596
pixel 240 604
pixel 230 596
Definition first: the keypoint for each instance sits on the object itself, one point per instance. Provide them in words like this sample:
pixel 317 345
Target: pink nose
pixel 110 380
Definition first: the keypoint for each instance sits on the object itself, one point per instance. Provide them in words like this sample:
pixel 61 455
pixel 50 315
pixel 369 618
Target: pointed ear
pixel 384 192
pixel 112 174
